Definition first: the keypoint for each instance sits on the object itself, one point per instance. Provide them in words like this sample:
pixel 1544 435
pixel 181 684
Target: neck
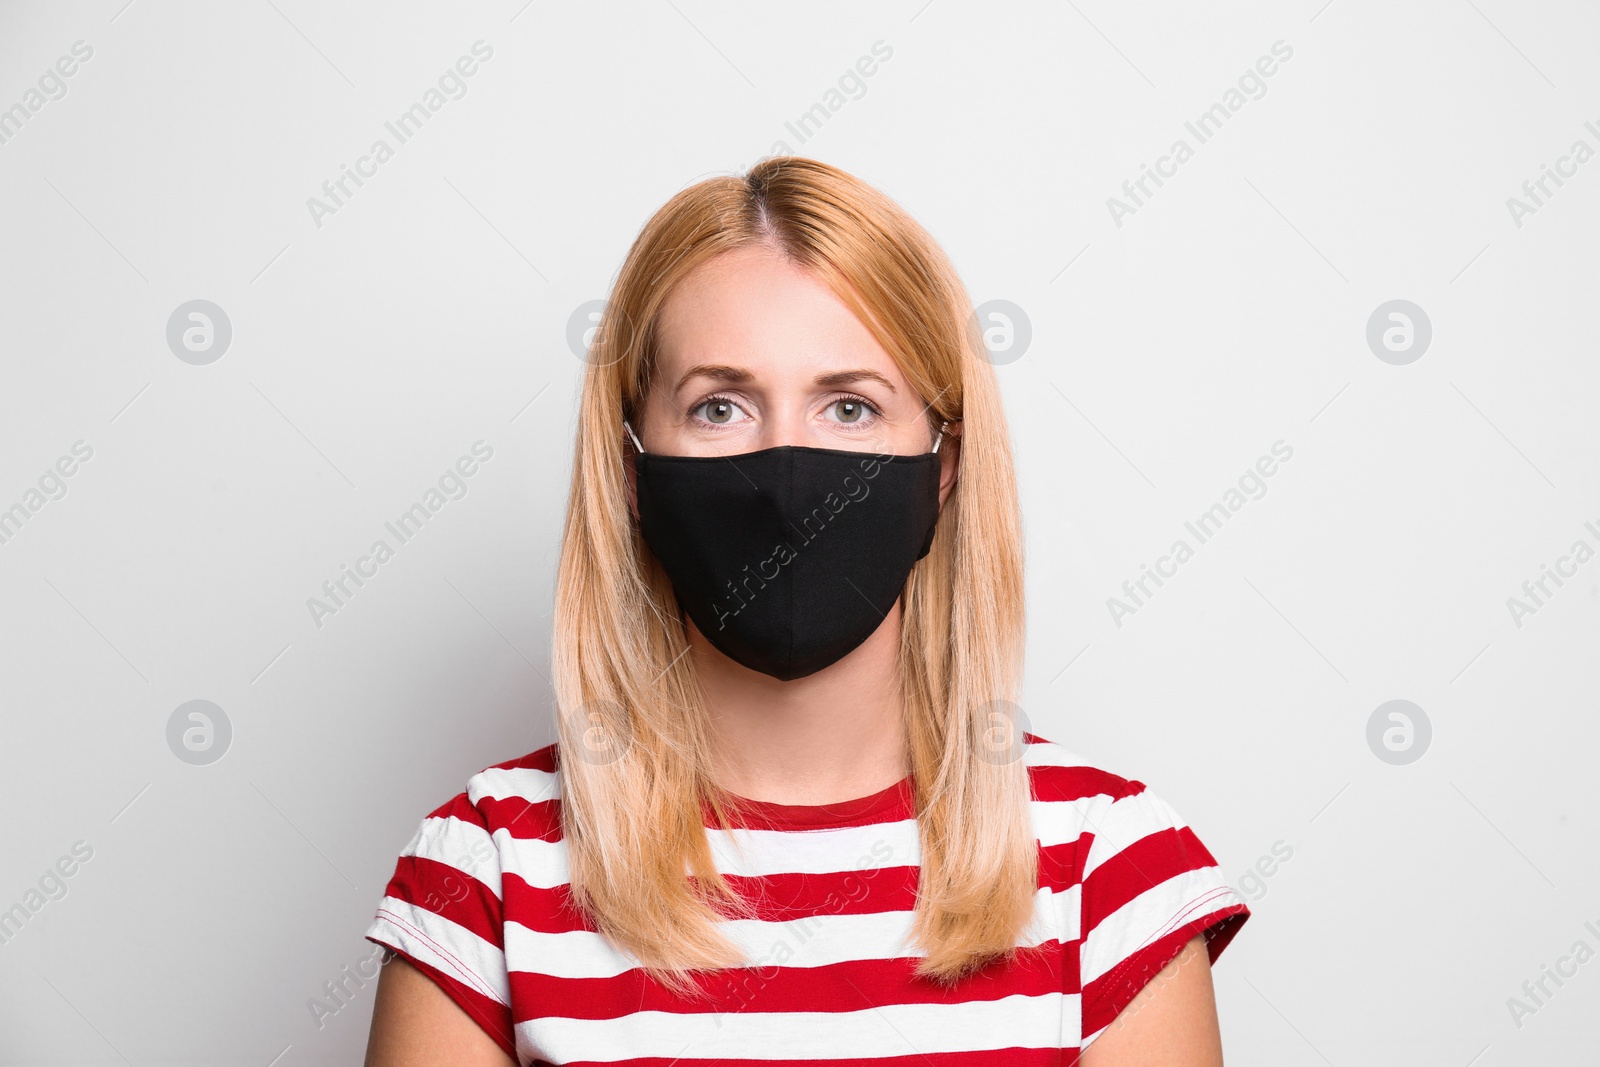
pixel 834 735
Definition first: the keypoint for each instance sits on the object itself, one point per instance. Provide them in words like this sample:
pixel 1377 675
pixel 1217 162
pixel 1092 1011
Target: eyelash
pixel 718 397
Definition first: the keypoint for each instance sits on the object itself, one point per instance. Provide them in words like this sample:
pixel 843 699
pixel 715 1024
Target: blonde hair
pixel 633 737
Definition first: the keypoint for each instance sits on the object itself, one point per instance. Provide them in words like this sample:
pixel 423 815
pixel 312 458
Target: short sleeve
pixel 1148 886
pixel 442 912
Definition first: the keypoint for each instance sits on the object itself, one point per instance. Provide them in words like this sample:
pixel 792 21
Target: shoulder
pixel 1090 819
pixel 479 850
pixel 511 807
pixel 531 778
pixel 520 797
pixel 480 857
pixel 1135 882
pixel 1057 773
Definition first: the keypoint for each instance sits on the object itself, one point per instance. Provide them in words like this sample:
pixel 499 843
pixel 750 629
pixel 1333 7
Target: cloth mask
pixel 787 558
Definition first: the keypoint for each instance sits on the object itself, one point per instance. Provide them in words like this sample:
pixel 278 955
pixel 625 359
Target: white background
pixel 1167 354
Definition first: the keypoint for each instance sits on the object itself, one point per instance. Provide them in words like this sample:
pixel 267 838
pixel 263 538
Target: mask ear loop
pixel 635 437
pixel 937 443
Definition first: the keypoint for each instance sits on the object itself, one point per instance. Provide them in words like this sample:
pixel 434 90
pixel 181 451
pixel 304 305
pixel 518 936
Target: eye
pixel 853 410
pixel 720 410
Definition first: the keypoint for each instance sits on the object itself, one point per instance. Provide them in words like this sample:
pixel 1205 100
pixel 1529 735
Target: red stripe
pixel 1138 868
pixel 775 898
pixel 538 820
pixel 781 897
pixel 540 759
pixel 449 893
pixel 548 911
pixel 1059 864
pixel 459 806
pixel 1074 783
pixel 846 986
pixel 891 804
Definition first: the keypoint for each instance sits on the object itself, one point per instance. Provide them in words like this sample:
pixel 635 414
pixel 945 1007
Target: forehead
pixel 753 308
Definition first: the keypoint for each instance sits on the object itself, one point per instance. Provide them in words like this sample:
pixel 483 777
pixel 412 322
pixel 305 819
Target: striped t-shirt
pixel 479 903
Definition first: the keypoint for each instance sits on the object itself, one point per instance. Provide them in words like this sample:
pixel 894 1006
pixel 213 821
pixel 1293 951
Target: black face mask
pixel 788 558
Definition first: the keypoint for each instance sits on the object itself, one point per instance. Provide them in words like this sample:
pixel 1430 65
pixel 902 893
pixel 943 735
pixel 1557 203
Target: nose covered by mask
pixel 788 558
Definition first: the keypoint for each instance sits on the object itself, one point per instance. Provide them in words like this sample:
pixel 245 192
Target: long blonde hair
pixel 633 737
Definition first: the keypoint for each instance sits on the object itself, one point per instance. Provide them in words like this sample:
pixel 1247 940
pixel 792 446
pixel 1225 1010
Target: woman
pixel 792 813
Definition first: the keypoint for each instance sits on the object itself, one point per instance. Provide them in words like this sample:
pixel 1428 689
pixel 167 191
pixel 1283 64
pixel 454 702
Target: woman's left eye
pixel 853 409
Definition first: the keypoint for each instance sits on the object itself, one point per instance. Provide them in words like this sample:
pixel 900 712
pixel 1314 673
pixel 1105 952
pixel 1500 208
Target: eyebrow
pixel 739 375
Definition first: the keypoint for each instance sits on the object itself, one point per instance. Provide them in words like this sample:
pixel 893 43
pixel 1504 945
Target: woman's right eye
pixel 718 410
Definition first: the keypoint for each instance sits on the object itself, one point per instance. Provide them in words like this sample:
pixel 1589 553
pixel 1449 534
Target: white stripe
pixel 1151 915
pixel 1050 754
pixel 1058 914
pixel 540 863
pixel 816 941
pixel 544 864
pixel 525 783
pixel 568 954
pixel 1061 822
pixel 466 846
pixel 754 853
pixel 1124 822
pixel 890 1030
pixel 750 853
pixel 437 941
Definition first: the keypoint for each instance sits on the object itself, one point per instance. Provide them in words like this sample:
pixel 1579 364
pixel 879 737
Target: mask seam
pixel 790 585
